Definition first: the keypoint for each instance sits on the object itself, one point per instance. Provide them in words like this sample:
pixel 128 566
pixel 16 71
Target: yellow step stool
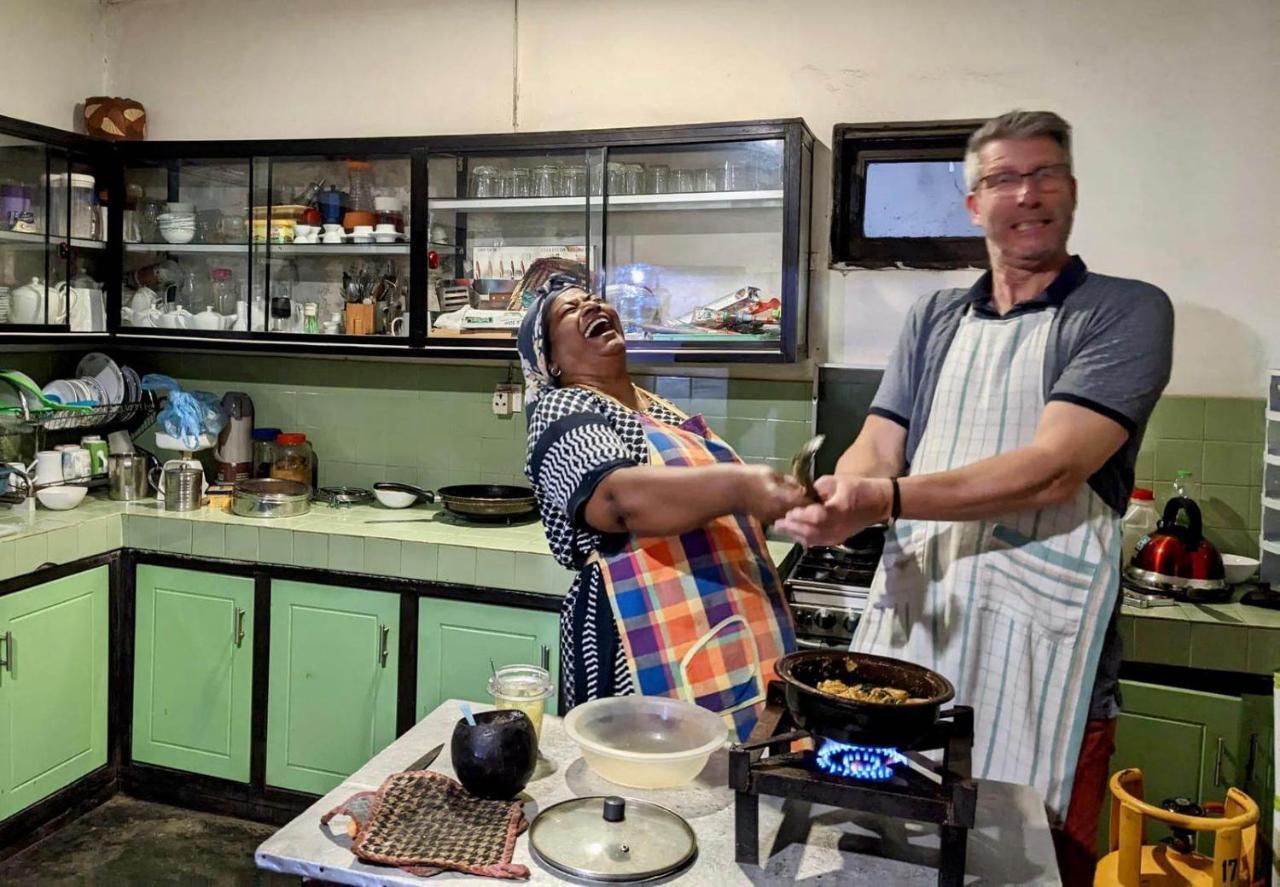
pixel 1133 864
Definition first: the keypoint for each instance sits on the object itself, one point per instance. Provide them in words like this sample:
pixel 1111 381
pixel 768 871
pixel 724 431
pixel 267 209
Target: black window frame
pixel 853 144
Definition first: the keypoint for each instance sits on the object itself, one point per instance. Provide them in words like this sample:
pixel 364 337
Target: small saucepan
pixel 484 502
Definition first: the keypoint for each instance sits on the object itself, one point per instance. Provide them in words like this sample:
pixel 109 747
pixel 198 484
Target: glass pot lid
pixel 612 839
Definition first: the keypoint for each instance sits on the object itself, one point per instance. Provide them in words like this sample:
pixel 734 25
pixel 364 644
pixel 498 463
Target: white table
pixel 799 842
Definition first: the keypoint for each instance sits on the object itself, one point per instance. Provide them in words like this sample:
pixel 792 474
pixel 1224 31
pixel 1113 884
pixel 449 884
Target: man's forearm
pixel 1026 478
pixel 864 460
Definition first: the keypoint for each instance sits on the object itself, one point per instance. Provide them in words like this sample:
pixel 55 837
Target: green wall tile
pixel 275 546
pixel 91 537
pixel 1173 455
pixel 456 563
pixel 208 539
pixel 495 569
pixel 1161 641
pixel 382 556
pixel 1145 466
pixel 1226 507
pixel 29 553
pixel 1253 516
pixel 1221 647
pixel 1229 462
pixel 1234 418
pixel 674 388
pixel 242 543
pixel 173 535
pixel 418 560
pixel 310 550
pixel 1229 541
pixel 346 553
pixel 61 545
pixel 710 397
pixel 1179 418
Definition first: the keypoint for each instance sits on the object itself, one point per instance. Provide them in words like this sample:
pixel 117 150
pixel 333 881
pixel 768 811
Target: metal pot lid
pixel 273 489
pixel 612 839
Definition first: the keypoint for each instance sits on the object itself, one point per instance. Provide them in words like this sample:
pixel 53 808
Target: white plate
pixel 104 369
pixel 62 389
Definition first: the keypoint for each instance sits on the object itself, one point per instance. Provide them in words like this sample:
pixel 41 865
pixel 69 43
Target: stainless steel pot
pixel 270 497
pixel 183 488
pixel 127 477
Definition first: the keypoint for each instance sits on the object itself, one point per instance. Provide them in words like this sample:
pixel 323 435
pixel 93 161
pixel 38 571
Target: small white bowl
pixel 181 207
pixel 394 498
pixel 61 498
pixel 1238 568
pixel 178 235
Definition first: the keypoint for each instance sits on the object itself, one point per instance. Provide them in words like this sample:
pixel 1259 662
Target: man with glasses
pixel 1000 449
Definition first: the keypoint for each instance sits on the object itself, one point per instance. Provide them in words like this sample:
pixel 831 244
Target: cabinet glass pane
pixel 332 237
pixel 186 258
pixel 693 250
pixel 491 218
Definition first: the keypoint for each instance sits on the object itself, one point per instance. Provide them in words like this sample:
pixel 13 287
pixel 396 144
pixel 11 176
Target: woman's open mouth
pixel 597 328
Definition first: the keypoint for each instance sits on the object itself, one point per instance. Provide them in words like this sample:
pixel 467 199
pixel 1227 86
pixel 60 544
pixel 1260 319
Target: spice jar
pixel 264 442
pixel 292 458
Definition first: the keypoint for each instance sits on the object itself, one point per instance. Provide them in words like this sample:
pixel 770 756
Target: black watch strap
pixel 896 510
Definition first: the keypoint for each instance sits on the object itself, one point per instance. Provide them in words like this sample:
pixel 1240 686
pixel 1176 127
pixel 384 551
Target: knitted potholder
pixel 425 823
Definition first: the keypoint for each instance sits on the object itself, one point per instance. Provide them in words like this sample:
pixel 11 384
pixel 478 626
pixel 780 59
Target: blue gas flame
pixel 866 762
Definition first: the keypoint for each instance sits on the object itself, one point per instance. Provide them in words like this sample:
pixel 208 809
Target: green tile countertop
pixel 1220 637
pixel 419 543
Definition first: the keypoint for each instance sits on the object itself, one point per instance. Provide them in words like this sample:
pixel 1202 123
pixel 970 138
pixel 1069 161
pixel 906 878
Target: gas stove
pixel 827 588
pixel 900 783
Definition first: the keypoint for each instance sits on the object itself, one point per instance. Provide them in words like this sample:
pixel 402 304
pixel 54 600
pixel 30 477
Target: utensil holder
pixel 359 319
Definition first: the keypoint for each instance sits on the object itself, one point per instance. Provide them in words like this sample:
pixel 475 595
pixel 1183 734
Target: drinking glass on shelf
pixel 682 181
pixel 484 181
pixel 617 177
pixel 574 180
pixel 546 180
pixel 708 179
pixel 634 174
pixel 739 176
pixel 658 179
pixel 521 182
pixel 769 175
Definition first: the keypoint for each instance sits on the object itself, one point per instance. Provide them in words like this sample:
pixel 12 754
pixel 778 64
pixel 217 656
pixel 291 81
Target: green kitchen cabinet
pixel 53 686
pixel 193 671
pixel 331 700
pixel 459 643
pixel 1186 743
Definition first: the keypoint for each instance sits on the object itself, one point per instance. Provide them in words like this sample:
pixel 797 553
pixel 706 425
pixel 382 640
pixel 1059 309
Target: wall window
pixel 899 194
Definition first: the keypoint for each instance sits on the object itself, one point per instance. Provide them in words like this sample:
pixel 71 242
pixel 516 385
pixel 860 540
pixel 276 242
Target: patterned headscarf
pixel 534 338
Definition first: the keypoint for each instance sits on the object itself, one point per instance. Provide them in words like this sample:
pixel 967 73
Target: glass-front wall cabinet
pixel 53 231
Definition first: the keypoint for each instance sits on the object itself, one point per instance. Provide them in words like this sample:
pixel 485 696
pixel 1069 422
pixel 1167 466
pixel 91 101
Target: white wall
pixel 53 56
pixel 1175 107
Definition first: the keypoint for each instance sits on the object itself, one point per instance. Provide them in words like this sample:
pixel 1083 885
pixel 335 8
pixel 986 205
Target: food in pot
pixel 861 692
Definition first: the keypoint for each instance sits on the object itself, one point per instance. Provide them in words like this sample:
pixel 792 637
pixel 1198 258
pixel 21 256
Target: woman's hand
pixel 767 495
pixel 849 504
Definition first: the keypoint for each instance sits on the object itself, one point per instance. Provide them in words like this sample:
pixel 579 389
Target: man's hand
pixel 849 504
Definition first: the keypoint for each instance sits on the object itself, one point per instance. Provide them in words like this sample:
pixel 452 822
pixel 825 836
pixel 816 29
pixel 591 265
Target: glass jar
pixel 682 181
pixel 292 458
pixel 484 182
pixel 225 291
pixel 546 180
pixel 71 199
pixel 521 182
pixel 360 187
pixel 264 441
pixel 658 179
pixel 633 178
pixel 575 180
pixel 389 212
pixel 524 688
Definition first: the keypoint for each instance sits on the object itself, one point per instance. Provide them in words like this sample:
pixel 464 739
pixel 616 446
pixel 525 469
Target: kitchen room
pixel 395 112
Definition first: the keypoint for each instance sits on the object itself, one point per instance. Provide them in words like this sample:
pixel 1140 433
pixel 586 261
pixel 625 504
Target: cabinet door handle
pixel 383 632
pixel 1253 758
pixel 239 626
pixel 1217 763
pixel 546 657
pixel 7 662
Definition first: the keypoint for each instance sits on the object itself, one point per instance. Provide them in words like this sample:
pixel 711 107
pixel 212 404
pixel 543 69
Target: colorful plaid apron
pixel 701 615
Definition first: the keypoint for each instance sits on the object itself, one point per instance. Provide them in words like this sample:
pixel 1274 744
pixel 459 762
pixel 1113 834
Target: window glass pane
pixel 917 198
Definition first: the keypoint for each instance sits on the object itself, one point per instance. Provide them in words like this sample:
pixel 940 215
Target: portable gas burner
pixel 897 782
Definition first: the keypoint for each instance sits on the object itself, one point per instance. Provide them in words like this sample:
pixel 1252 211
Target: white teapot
pixel 208 319
pixel 179 319
pixel 27 303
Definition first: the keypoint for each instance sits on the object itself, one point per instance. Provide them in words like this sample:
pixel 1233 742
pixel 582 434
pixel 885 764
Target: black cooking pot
pixel 862 723
pixel 495 758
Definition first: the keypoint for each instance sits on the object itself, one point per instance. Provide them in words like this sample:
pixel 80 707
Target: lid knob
pixel 615 809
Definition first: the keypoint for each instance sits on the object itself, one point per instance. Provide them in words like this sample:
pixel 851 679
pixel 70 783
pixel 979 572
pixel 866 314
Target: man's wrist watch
pixel 895 509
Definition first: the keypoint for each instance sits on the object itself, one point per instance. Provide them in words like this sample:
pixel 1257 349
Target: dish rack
pixel 1269 543
pixel 35 426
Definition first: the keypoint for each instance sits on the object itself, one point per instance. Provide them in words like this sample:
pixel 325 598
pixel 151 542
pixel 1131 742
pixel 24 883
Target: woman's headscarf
pixel 534 338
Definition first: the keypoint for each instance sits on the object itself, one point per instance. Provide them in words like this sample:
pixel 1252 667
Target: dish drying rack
pixel 46 426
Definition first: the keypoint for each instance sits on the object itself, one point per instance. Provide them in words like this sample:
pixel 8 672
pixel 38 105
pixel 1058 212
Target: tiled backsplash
pixel 1219 440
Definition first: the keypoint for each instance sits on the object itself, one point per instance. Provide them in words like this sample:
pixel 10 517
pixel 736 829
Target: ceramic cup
pixel 385 228
pixel 47 469
pixel 175 320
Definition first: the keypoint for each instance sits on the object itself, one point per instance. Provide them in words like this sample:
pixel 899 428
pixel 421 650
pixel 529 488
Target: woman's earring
pixel 555 372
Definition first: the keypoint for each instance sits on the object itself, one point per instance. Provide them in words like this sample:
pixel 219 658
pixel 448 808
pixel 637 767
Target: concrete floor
pixel 131 842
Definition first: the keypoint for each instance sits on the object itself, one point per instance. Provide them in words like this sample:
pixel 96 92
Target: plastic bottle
pixel 1182 483
pixel 1139 520
pixel 360 190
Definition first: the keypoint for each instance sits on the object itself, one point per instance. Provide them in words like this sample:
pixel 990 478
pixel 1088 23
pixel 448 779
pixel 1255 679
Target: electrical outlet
pixel 501 401
pixel 517 398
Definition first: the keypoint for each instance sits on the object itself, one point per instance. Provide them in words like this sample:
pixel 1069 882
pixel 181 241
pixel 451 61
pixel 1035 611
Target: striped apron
pixel 701 616
pixel 1012 609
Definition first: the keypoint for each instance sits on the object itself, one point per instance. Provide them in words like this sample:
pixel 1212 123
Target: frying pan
pixel 862 723
pixel 475 501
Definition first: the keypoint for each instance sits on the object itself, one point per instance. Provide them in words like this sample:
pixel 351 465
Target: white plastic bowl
pixel 61 498
pixel 646 741
pixel 394 498
pixel 178 235
pixel 1238 568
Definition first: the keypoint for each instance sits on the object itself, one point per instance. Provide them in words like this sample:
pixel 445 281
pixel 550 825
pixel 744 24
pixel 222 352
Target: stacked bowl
pixel 178 225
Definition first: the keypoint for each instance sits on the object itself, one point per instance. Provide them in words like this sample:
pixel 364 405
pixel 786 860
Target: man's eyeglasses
pixel 1047 178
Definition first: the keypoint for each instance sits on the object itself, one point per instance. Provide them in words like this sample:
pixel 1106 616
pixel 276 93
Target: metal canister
pixel 183 486
pixel 127 477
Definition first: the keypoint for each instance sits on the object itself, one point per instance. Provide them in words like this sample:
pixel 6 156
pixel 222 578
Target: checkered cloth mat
pixel 425 823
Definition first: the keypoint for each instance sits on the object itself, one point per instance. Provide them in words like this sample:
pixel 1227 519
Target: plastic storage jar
pixel 292 458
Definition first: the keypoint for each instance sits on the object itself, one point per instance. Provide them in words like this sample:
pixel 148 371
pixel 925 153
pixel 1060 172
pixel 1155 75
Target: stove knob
pixel 803 616
pixel 850 622
pixel 825 619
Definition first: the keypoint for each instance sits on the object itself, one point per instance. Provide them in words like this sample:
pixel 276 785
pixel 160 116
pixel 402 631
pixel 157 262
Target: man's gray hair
pixel 1015 125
